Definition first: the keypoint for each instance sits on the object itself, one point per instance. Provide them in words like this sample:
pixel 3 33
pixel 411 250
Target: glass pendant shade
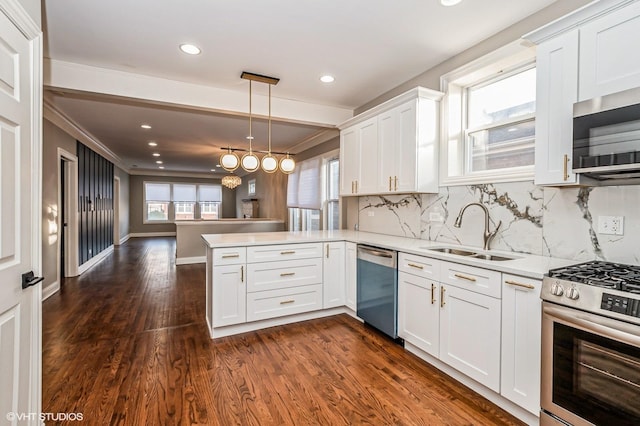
pixel 229 161
pixel 287 165
pixel 269 163
pixel 231 181
pixel 250 162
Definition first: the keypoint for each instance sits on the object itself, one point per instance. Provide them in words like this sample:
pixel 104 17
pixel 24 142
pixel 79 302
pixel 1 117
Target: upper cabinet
pixel 392 148
pixel 581 56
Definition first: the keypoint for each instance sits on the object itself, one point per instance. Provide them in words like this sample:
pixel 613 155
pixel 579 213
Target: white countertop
pixel 526 265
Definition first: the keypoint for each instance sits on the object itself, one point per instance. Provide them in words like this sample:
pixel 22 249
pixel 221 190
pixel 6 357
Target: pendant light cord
pixel 269 119
pixel 250 134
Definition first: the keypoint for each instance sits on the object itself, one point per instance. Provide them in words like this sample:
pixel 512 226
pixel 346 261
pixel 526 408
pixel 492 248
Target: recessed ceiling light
pixel 145 126
pixel 190 49
pixel 152 143
pixel 158 162
pixel 213 170
pixel 155 154
pixel 161 167
pixel 218 165
pixel 327 79
pixel 449 2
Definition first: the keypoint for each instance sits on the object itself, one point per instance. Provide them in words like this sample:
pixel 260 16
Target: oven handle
pixel 606 327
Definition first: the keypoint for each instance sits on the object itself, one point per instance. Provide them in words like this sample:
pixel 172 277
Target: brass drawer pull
pixel 395 185
pixel 287 274
pixel 517 284
pixel 286 302
pixel 464 277
pixel 353 191
pixel 229 256
pixel 242 274
pixel 390 183
pixel 413 265
pixel 433 289
pixel 288 252
pixel 442 302
pixel 565 169
pixel 327 250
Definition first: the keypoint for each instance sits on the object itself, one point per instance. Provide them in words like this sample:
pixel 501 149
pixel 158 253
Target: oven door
pixel 590 368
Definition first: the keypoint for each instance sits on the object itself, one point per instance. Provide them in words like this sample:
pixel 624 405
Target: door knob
pixel 29 279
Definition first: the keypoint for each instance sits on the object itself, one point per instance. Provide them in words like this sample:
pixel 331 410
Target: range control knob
pixel 573 293
pixel 557 290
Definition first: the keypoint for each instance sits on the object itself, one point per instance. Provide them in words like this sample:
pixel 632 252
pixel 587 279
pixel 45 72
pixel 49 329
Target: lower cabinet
pixel 229 295
pixel 334 274
pixel 287 301
pixel 521 326
pixel 419 312
pixel 351 276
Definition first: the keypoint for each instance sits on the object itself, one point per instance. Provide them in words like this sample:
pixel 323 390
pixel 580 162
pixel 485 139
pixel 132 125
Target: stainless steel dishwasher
pixel 377 301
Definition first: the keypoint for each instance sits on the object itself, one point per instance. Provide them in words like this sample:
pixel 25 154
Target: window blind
pixel 157 192
pixel 210 193
pixel 185 193
pixel 304 187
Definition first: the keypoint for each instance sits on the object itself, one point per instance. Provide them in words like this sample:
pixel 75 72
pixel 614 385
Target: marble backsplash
pixel 557 222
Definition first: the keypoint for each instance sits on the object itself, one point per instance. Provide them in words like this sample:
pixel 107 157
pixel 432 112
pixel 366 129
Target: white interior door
pixel 20 215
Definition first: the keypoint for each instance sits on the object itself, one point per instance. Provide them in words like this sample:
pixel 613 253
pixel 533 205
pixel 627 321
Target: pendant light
pixel 269 162
pixel 229 160
pixel 287 165
pixel 249 161
pixel 231 181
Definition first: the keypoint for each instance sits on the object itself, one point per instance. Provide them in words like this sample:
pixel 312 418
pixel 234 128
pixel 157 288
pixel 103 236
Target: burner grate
pixel 601 274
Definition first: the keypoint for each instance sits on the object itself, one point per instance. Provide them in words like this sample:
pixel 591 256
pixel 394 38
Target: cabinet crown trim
pixel 575 19
pixel 415 93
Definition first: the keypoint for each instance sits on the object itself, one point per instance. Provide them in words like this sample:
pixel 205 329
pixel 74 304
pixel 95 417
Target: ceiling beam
pixel 71 77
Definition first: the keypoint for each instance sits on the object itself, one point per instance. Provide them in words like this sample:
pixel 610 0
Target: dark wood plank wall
pixel 95 192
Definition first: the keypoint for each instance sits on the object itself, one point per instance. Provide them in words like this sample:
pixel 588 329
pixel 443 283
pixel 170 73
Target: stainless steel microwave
pixel 606 137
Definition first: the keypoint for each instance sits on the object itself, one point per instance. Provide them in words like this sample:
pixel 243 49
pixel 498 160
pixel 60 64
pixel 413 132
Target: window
pixel 489 113
pixel 166 202
pixel 313 194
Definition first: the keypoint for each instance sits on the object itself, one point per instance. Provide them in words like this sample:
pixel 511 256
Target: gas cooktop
pixel 597 273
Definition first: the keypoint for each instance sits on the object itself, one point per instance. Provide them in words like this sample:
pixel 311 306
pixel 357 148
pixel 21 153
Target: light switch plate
pixel 370 213
pixel 611 225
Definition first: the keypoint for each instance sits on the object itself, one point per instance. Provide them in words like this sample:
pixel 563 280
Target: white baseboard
pixel 50 290
pixel 125 239
pixel 95 260
pixel 152 234
pixel 190 260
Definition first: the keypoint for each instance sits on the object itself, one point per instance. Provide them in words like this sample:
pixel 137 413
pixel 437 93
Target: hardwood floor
pixel 126 343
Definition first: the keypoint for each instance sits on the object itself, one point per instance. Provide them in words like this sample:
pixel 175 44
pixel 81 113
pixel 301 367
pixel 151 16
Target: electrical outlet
pixel 435 217
pixel 611 225
pixel 370 213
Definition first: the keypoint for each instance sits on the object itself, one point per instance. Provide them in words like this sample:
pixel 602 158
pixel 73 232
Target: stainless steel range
pixel 591 345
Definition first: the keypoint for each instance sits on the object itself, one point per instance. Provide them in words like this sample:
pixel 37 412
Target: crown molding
pixel 165 173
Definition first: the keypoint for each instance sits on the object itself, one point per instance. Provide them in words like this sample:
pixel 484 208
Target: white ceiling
pixel 370 46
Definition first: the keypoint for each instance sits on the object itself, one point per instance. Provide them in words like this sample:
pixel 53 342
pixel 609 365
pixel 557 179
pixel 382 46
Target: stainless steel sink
pixel 469 253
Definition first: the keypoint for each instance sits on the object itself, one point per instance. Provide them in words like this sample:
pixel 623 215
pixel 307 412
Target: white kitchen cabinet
pixel 419 312
pixel 229 295
pixel 287 273
pixel 268 304
pixel 521 325
pixel 556 92
pixel 470 334
pixel 608 53
pixel 405 156
pixel 334 274
pixel 351 275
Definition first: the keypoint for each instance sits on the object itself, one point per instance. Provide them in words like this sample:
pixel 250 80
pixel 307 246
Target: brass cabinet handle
pixel 288 252
pixel 356 187
pixel 413 265
pixel 287 274
pixel 433 289
pixel 285 302
pixel 395 185
pixel 229 256
pixel 464 277
pixel 442 302
pixel 242 274
pixel 517 284
pixel 565 168
pixel 353 182
pixel 327 250
pixel 389 183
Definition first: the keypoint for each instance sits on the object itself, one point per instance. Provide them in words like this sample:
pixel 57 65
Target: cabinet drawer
pixel 419 265
pixel 288 301
pixel 229 256
pixel 283 252
pixel 478 280
pixel 288 273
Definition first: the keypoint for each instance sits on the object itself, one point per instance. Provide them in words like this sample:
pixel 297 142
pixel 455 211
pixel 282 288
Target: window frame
pixel 171 204
pixel 455 158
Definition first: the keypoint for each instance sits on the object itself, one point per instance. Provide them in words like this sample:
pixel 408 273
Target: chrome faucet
pixel 488 236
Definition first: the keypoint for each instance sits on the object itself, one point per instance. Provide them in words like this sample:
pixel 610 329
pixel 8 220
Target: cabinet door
pixel 387 149
pixel 521 324
pixel 556 92
pixel 368 134
pixel 349 160
pixel 418 312
pixel 351 271
pixel 229 295
pixel 404 176
pixel 470 334
pixel 609 61
pixel 334 275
